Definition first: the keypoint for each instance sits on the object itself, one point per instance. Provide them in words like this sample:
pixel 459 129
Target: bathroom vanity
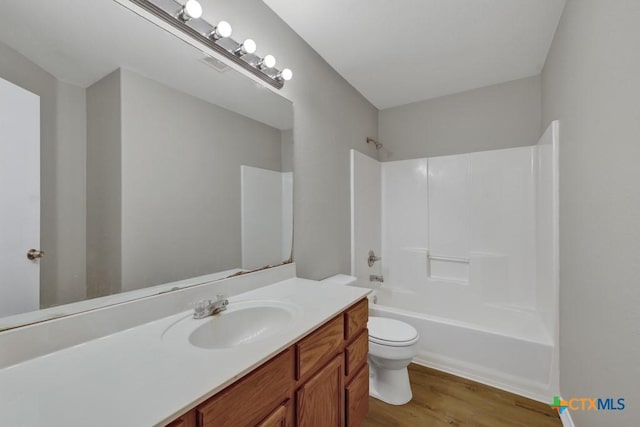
pixel 323 379
pixel 286 352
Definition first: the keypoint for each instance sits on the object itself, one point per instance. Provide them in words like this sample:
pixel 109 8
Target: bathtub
pixel 504 347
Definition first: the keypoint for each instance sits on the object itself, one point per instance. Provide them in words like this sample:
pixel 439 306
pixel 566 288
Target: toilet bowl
pixel 392 346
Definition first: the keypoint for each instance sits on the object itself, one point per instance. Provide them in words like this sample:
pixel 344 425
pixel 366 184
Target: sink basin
pixel 242 323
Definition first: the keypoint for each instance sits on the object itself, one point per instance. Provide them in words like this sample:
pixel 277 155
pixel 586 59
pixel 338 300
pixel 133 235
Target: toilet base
pixel 390 385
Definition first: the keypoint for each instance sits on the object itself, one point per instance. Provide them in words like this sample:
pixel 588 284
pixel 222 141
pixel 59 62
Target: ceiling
pixel 400 51
pixel 80 42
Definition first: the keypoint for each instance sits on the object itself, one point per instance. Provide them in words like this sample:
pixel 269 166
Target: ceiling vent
pixel 219 66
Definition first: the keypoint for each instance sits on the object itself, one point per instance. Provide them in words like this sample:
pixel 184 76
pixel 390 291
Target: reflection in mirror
pixel 130 159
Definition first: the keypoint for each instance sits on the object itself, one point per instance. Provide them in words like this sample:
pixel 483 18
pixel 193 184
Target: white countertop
pixel 134 378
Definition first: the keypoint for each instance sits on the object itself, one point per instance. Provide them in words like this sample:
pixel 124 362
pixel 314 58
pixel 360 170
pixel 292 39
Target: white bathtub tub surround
pixel 470 259
pixel 508 349
pixel 392 346
pixel 136 378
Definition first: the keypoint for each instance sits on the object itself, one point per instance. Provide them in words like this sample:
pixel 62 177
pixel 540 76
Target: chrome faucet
pixel 374 278
pixel 206 308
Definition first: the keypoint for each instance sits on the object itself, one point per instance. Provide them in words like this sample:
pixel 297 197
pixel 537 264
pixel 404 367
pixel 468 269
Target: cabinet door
pixel 357 396
pixel 320 401
pixel 278 418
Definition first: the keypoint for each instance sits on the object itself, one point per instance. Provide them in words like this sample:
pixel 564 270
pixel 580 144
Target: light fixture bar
pixel 173 13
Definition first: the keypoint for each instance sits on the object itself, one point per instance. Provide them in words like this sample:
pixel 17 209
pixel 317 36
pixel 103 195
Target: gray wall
pixel 181 160
pixel 286 153
pixel 591 83
pixel 104 186
pixel 499 116
pixel 331 117
pixel 62 224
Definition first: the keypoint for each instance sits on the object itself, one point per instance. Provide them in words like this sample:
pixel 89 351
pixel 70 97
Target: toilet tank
pixel 346 280
pixel 341 279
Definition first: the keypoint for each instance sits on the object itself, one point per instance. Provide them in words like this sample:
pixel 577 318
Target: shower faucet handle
pixel 372 258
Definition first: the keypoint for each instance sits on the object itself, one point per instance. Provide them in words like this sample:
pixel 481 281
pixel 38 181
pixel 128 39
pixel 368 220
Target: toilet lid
pixel 390 330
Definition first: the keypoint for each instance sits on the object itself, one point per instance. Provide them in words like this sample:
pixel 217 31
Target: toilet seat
pixel 391 332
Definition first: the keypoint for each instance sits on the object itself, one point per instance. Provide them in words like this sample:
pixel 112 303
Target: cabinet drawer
pixel 356 319
pixel 252 398
pixel 319 347
pixel 356 353
pixel 357 398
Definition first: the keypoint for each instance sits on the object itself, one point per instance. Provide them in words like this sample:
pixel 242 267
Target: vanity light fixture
pixel 191 10
pixel 268 61
pixel 180 15
pixel 286 75
pixel 220 31
pixel 246 47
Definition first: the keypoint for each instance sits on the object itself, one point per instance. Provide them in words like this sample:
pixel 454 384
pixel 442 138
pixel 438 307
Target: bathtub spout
pixel 374 278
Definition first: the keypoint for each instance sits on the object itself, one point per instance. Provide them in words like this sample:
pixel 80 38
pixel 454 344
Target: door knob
pixel 34 254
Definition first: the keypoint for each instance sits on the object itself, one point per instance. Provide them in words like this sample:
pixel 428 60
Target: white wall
pixel 499 116
pixel 480 207
pixel 104 186
pixel 405 210
pixel 181 160
pixel 266 213
pixel 547 233
pixel 591 83
pixel 365 215
pixel 449 219
pixel 69 249
pixel 331 117
pixel 62 177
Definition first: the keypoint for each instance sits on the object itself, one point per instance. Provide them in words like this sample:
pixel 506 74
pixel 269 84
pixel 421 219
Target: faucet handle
pixel 201 307
pixel 222 299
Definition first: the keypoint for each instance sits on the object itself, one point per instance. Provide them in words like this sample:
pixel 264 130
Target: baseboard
pixel 566 419
pixel 450 367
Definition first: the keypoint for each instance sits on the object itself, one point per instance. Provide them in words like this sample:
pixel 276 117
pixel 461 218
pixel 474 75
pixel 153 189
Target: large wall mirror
pixel 132 160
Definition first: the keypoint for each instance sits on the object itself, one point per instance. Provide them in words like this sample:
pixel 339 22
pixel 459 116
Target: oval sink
pixel 242 323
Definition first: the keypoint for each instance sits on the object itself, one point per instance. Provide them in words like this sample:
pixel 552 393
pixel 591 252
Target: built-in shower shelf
pixel 449 258
pixel 451 269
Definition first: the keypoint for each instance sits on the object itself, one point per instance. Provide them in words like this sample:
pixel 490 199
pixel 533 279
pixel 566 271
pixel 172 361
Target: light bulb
pixel 222 30
pixel 248 46
pixel 285 74
pixel 268 61
pixel 191 10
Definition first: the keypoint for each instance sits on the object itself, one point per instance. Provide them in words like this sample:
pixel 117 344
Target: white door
pixel 19 199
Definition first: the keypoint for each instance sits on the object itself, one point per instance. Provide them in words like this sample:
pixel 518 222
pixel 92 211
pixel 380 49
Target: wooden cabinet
pixel 319 347
pixel 357 397
pixel 355 319
pixel 356 354
pixel 281 417
pixel 356 367
pixel 321 381
pixel 252 398
pixel 319 402
pixel 187 420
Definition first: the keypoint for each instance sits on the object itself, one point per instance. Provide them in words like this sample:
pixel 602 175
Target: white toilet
pixel 392 346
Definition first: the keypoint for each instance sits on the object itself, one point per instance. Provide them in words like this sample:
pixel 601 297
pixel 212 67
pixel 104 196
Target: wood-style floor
pixel 441 399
